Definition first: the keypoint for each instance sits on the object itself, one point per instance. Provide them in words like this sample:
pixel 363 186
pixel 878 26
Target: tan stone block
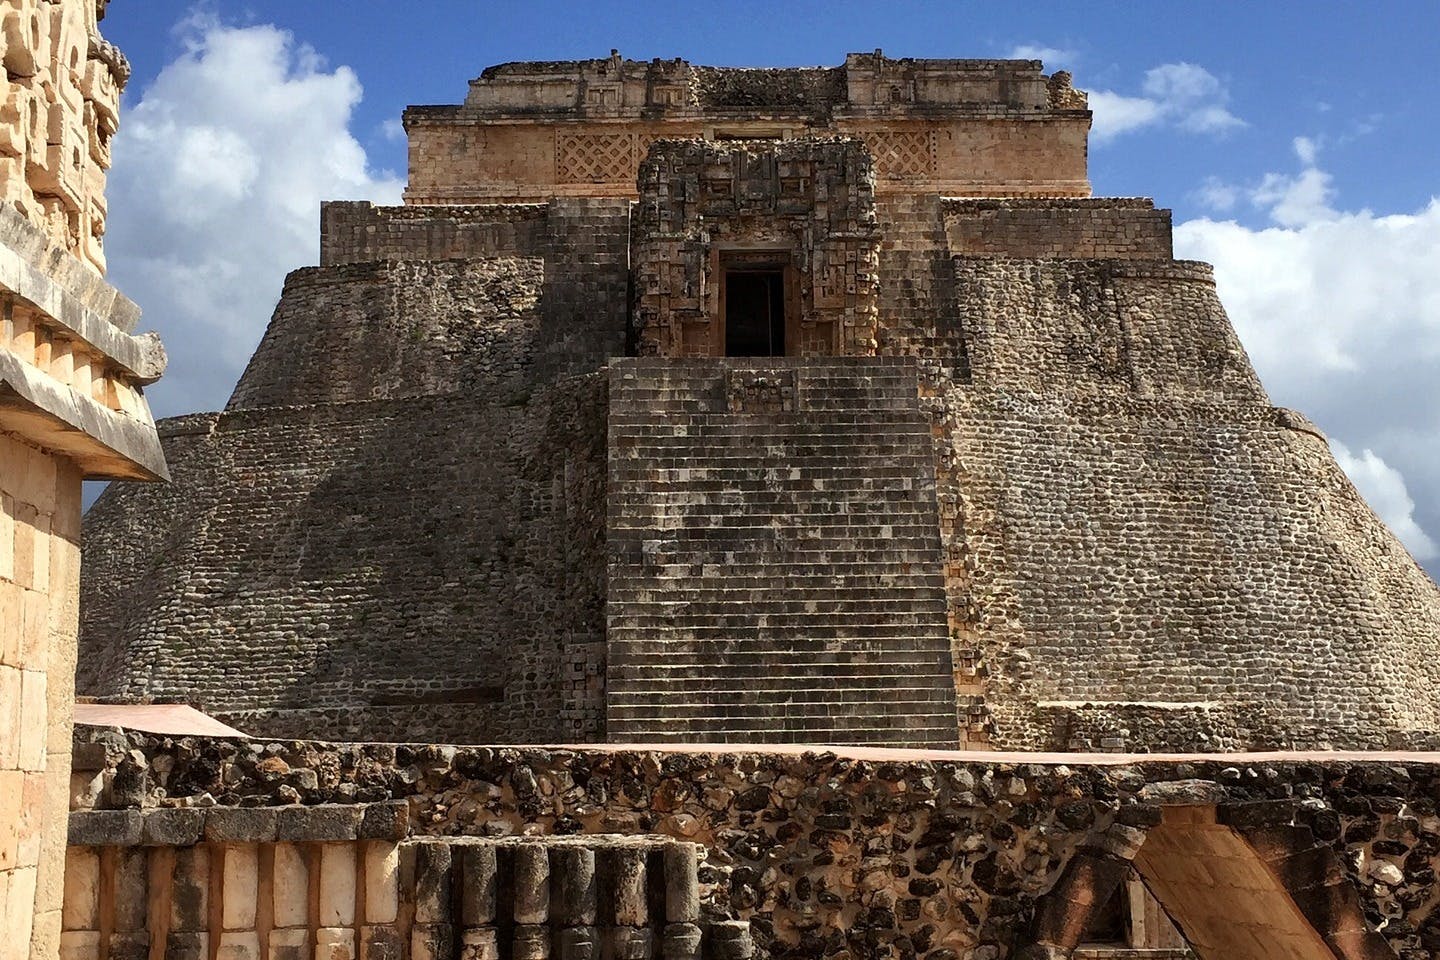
pixel 45 935
pixel 238 945
pixel 334 943
pixel 23 555
pixel 80 945
pixel 11 796
pixel 12 619
pixel 382 873
pixel 240 887
pixel 34 814
pixel 337 885
pixel 19 919
pixel 7 542
pixel 291 887
pixel 81 910
pixel 10 684
pixel 32 720
pixel 34 628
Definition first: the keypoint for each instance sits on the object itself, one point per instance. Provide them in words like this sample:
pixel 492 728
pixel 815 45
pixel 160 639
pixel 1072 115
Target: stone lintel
pixel 104 444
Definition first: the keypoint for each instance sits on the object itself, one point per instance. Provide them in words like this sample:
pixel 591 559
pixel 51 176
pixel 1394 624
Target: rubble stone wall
pixel 941 855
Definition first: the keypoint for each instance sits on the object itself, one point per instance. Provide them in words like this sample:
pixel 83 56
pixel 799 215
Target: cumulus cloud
pixel 1183 95
pixel 1384 488
pixel 1340 312
pixel 220 167
pixel 1053 57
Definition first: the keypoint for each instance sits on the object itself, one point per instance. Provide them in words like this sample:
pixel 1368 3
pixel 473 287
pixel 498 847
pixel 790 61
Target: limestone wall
pixel 39 584
pixel 59 110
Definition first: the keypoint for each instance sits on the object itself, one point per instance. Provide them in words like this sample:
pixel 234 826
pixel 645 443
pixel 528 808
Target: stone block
pixel 80 945
pixel 238 945
pixel 187 945
pixel 81 909
pixel 325 823
pixel 432 941
pixel 290 886
pixel 478 874
pixel 531 942
pixel 381 942
pixel 384 821
pixel 241 824
pixel 433 882
pixel 382 877
pixel 105 828
pixel 577 943
pixel 631 943
pixel 172 826
pixel 334 943
pixel 239 887
pixel 337 884
pixel 681 941
pixel 479 943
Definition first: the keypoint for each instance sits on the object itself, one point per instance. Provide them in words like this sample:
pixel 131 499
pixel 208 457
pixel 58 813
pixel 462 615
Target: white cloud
pixel 1183 95
pixel 220 167
pixel 1340 312
pixel 1053 57
pixel 1384 488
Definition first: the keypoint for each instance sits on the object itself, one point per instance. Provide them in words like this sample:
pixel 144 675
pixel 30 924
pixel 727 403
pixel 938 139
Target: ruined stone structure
pixel 682 403
pixel 71 407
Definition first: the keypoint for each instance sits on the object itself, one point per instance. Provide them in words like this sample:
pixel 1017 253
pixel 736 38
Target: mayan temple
pixel 891 541
pixel 799 405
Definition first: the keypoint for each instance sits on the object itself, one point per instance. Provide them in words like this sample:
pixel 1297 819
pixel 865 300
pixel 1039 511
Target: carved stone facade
pixel 529 131
pixel 807 207
pixel 59 110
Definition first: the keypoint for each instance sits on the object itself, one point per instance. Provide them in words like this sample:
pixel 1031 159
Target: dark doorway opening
pixel 755 313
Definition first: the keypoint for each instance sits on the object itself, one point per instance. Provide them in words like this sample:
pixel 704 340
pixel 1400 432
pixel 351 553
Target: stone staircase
pixel 774 554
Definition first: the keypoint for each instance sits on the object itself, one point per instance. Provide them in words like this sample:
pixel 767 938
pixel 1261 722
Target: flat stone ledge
pixel 186 826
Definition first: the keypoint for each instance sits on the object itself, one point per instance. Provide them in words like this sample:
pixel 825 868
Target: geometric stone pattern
pixel 902 154
pixel 987 128
pixel 774 555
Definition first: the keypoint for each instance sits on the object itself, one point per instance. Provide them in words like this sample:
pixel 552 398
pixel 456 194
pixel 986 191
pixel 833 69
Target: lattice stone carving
pixel 902 154
pixel 595 157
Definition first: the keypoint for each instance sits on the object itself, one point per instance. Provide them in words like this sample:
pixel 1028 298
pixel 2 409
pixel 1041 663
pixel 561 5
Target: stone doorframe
pixel 1242 881
pixel 811 199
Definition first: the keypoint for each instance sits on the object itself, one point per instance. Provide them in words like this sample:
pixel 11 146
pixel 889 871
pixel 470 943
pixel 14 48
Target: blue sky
pixel 1295 142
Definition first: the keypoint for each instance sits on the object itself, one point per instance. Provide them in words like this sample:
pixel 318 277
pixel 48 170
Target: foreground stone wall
pixel 940 855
